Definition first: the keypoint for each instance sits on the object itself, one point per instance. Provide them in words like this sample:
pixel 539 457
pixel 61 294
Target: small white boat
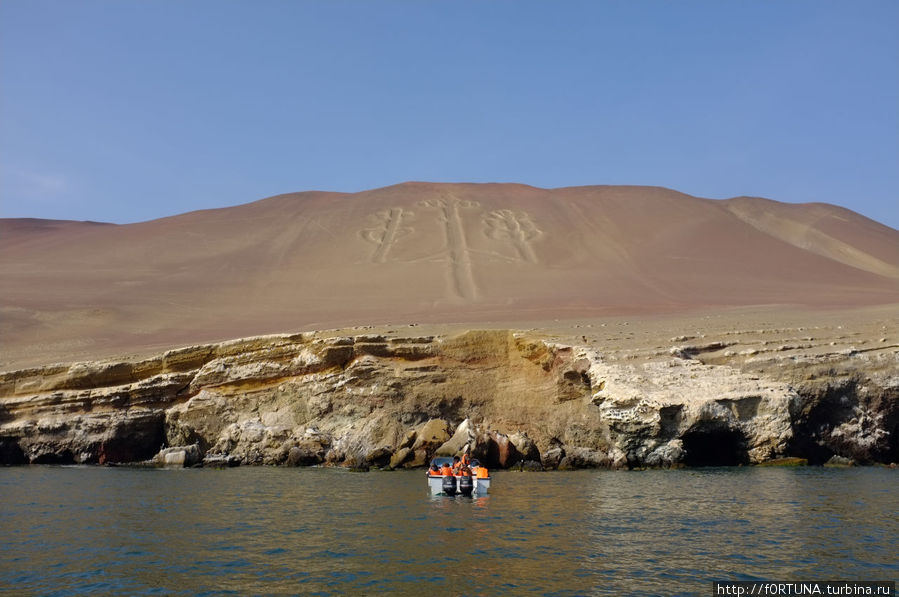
pixel 457 484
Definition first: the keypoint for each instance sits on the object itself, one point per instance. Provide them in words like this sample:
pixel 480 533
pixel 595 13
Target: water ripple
pixel 259 531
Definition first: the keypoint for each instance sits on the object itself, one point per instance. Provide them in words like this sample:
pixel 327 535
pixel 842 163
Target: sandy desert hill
pixel 424 252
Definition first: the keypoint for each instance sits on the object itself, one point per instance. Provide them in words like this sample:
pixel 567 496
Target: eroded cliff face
pixel 509 397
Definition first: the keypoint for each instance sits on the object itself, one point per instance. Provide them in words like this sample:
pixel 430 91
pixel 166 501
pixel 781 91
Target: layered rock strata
pixel 511 398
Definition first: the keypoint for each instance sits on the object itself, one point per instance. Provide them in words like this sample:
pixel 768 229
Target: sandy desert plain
pixel 592 326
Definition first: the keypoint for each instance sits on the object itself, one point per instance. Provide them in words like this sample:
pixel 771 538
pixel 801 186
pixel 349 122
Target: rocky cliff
pixel 513 398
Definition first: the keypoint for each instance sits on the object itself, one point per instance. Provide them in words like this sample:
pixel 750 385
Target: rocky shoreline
pixel 512 398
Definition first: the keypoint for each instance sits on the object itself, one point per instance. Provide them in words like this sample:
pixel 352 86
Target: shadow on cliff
pixel 844 418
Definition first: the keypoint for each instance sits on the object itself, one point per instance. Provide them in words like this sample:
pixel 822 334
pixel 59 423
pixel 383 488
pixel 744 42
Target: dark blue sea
pixel 312 531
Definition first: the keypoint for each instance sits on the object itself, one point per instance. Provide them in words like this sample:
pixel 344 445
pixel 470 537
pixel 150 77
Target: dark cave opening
pixel 65 457
pixel 714 447
pixel 10 452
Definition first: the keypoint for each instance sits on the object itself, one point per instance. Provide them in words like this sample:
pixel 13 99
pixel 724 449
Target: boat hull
pixel 481 485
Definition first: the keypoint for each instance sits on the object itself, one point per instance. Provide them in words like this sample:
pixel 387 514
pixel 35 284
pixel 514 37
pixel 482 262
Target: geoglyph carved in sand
pixel 514 227
pixel 390 228
pixel 457 253
pixel 517 227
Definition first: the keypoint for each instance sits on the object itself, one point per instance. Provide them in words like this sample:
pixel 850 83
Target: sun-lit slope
pixel 430 253
pixel 828 230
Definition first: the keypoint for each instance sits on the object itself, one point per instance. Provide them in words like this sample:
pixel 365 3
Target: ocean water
pixel 312 531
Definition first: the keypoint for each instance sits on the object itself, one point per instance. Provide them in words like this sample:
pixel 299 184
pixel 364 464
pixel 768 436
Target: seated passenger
pixel 447 470
pixel 456 464
pixel 478 470
pixel 434 471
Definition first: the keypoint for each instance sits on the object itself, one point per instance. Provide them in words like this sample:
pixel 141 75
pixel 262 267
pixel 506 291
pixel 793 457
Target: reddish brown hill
pixel 421 252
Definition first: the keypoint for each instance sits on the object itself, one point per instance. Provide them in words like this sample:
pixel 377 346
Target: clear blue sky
pixel 122 111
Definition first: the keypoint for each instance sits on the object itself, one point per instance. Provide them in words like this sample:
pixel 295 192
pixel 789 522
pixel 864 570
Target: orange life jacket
pixel 446 471
pixel 465 460
pixel 482 472
pixel 465 471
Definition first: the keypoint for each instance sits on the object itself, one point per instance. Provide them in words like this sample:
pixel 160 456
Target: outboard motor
pixel 466 485
pixel 449 485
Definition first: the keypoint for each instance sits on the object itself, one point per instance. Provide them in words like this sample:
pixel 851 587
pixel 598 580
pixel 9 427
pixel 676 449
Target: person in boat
pixel 447 470
pixel 465 460
pixel 434 471
pixel 479 471
pixel 464 471
pixel 457 464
